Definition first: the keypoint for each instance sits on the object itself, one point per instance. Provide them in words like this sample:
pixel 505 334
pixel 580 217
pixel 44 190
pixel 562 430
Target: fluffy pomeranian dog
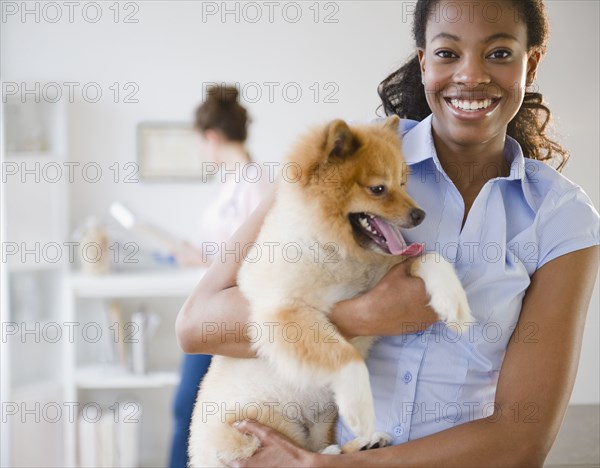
pixel 332 234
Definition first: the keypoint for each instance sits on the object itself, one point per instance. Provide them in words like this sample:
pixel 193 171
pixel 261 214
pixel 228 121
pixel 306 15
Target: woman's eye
pixel 377 189
pixel 500 54
pixel 445 54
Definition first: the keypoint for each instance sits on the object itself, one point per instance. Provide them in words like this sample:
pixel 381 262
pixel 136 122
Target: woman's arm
pixel 534 387
pixel 211 319
pixel 189 256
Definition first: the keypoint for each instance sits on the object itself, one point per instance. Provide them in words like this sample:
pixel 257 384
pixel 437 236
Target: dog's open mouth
pixel 386 236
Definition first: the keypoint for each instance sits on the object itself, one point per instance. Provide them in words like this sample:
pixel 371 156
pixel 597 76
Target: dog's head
pixel 357 176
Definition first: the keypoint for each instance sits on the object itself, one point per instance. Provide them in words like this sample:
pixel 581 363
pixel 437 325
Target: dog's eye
pixel 377 189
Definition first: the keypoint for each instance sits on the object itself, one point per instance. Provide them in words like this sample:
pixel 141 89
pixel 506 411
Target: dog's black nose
pixel 417 216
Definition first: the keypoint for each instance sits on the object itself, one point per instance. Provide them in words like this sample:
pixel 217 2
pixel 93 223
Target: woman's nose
pixel 472 71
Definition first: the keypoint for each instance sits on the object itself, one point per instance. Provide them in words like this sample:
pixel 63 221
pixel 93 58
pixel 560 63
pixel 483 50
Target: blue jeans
pixel 193 370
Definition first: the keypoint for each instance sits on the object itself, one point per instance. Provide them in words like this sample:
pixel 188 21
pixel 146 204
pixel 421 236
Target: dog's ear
pixel 391 123
pixel 339 140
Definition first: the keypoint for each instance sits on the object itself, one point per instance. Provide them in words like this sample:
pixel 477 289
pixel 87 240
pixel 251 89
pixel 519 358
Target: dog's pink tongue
pixel 394 239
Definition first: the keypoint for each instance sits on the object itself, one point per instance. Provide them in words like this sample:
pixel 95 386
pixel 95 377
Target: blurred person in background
pixel 221 123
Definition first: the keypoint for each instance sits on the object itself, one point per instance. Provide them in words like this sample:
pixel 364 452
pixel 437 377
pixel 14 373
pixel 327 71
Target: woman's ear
pixel 421 57
pixel 533 60
pixel 213 137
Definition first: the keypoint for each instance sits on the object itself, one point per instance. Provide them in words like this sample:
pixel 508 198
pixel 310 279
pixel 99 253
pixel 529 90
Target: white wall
pixel 570 75
pixel 170 52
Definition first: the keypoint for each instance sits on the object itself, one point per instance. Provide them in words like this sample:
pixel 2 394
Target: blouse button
pixel 398 431
pixel 407 377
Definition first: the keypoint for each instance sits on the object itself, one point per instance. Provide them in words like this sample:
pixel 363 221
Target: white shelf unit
pixel 172 283
pixel 92 377
pixel 108 383
pixel 34 213
pixel 39 292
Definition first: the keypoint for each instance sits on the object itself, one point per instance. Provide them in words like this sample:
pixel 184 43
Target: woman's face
pixel 475 67
pixel 207 146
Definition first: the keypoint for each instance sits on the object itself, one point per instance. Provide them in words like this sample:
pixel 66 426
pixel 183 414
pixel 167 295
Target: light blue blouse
pixel 430 381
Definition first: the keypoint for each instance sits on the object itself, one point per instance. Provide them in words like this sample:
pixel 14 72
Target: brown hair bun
pixel 222 94
pixel 221 111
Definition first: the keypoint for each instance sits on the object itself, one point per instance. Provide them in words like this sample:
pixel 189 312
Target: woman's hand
pixel 275 449
pixel 396 305
pixel 189 256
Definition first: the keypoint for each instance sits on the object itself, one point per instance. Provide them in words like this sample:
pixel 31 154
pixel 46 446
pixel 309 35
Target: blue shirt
pixel 426 382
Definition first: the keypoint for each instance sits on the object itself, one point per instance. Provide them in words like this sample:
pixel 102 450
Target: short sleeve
pixel 571 223
pixel 251 192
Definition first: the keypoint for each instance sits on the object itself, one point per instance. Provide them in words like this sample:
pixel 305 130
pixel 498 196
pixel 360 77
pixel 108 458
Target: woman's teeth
pixel 471 105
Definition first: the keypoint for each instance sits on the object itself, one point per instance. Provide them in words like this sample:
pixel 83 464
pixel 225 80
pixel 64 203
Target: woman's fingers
pixel 275 449
pixel 252 427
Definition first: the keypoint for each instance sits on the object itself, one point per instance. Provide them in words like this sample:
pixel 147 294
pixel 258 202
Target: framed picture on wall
pixel 168 151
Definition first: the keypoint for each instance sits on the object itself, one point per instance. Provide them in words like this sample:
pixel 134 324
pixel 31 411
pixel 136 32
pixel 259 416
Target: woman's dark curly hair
pixel 402 92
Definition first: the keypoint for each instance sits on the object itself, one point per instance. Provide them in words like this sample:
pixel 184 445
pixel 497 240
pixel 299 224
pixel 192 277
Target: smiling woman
pixel 522 36
pixel 476 147
pixel 474 71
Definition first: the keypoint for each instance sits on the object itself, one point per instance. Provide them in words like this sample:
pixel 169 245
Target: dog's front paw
pixel 452 307
pixel 377 440
pixel 448 298
pixel 331 450
pixel 354 398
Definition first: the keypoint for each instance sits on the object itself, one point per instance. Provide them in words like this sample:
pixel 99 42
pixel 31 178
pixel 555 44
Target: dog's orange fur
pixel 328 351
